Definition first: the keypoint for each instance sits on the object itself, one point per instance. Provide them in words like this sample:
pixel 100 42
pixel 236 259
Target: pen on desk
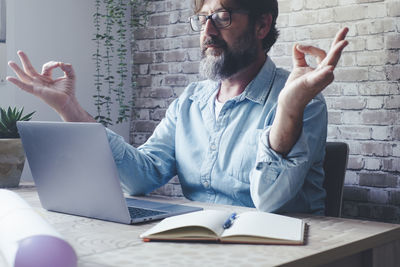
pixel 228 223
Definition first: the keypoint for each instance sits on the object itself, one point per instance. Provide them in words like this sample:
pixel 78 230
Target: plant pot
pixel 12 158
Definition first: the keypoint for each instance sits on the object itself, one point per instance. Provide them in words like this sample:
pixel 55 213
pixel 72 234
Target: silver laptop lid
pixel 73 169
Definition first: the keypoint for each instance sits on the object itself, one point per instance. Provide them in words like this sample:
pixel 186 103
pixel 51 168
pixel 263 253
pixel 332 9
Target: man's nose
pixel 210 29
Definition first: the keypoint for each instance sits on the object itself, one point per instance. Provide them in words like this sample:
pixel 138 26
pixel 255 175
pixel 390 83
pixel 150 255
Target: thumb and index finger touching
pixel 322 75
pixel 48 68
pixel 323 59
pixel 300 51
pixel 29 73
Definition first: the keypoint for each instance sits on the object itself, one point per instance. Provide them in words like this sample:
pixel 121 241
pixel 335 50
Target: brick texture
pixel 363 102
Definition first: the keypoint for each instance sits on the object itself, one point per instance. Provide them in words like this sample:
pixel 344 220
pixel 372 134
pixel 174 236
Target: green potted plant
pixel 12 156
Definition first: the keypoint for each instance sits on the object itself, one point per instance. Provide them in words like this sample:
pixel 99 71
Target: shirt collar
pixel 204 91
pixel 258 89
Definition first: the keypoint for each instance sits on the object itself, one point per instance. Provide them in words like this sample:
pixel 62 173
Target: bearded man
pixel 250 135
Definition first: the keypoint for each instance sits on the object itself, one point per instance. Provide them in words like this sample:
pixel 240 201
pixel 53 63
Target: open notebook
pixel 252 227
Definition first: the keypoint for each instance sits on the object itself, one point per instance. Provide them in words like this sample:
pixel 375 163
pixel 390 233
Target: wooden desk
pixel 331 242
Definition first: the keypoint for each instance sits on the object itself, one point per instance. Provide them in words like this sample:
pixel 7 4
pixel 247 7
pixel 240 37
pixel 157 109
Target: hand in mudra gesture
pixel 305 82
pixel 58 93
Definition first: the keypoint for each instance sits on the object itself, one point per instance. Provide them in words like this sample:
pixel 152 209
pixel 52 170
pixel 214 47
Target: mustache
pixel 214 41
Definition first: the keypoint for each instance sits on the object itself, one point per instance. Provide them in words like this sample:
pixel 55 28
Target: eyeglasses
pixel 220 19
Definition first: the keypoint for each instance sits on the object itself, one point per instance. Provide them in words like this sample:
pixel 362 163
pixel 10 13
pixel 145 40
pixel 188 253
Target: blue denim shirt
pixel 228 160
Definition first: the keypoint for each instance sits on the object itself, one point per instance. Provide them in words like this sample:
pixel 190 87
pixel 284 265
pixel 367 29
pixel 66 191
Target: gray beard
pixel 211 67
pixel 231 60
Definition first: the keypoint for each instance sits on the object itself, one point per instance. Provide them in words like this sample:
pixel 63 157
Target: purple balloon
pixel 45 251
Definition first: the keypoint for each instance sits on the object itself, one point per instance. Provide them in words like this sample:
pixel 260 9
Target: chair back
pixel 335 165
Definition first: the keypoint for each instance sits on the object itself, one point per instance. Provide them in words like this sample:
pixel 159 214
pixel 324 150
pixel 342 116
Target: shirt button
pixel 206 184
pixel 213 147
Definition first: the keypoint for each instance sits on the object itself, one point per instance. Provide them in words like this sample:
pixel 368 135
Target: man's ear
pixel 263 26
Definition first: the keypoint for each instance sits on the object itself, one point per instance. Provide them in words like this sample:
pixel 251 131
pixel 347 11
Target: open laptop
pixel 75 173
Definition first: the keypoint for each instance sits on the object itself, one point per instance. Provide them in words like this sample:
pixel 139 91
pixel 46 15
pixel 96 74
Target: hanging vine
pixel 98 97
pixel 138 19
pixel 114 21
pixel 122 65
pixel 108 43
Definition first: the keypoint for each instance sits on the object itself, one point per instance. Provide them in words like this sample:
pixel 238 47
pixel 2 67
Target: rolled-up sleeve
pixel 143 169
pixel 277 181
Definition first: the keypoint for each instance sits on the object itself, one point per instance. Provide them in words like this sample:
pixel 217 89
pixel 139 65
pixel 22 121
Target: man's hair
pixel 256 9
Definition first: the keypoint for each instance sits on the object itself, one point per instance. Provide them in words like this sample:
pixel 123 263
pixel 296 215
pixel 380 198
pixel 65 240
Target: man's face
pixel 226 51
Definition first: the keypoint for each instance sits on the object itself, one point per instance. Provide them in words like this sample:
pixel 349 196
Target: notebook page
pixel 266 225
pixel 211 219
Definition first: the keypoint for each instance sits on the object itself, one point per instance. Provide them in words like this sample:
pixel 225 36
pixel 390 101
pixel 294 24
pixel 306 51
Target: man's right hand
pixel 58 93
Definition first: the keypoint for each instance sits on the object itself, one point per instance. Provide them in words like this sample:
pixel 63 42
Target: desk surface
pixel 101 243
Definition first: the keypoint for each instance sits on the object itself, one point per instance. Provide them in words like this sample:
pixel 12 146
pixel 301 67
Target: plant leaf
pixel 27 117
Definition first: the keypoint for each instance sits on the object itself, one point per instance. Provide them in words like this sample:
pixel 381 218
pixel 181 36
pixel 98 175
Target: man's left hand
pixel 305 82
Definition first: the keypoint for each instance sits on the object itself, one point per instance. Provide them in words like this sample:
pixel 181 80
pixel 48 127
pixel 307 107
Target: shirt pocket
pixel 240 192
pixel 244 155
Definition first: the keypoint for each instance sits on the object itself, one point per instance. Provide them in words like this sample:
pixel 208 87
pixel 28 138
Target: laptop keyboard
pixel 141 213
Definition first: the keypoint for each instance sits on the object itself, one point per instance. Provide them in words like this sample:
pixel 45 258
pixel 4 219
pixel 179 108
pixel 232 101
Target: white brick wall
pixel 363 103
